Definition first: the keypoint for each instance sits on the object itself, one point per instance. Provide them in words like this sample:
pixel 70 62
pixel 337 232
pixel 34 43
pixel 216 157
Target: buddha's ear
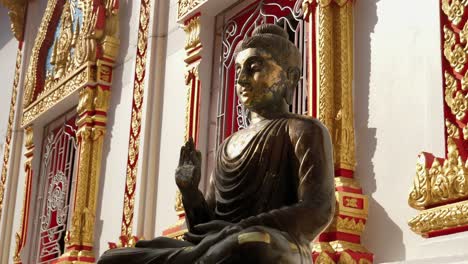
pixel 294 74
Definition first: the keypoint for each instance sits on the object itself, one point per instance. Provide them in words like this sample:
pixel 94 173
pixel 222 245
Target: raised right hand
pixel 188 172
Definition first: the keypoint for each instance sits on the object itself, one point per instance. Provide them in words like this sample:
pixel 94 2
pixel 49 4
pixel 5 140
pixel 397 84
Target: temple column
pixel 333 105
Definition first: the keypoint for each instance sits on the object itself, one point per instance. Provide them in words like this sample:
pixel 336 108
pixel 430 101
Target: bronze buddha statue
pixel 272 189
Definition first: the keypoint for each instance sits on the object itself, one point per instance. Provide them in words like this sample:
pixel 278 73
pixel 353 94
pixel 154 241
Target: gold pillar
pixel 332 21
pixel 21 235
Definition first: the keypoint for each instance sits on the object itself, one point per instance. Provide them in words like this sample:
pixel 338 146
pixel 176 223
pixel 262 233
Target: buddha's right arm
pixel 198 210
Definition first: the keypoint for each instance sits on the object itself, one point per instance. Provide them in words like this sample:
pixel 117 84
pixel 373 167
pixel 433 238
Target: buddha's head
pixel 268 68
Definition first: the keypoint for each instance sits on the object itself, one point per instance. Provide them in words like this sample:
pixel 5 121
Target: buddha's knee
pixel 258 247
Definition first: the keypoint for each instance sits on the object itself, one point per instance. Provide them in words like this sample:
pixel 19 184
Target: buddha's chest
pixel 241 139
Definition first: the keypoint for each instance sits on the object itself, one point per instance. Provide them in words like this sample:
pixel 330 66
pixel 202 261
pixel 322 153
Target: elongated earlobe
pixel 294 75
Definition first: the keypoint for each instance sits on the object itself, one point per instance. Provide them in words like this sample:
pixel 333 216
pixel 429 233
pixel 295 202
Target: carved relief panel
pixel 440 189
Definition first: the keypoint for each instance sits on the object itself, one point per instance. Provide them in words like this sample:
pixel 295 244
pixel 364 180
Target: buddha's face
pixel 261 82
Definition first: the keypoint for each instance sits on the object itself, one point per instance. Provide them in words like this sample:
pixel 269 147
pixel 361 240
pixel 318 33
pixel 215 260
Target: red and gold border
pixel 11 117
pixel 440 191
pixel 126 238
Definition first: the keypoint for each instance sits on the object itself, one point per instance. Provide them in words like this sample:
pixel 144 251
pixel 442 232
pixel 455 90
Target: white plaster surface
pixel 8 48
pixel 398 104
pixel 173 122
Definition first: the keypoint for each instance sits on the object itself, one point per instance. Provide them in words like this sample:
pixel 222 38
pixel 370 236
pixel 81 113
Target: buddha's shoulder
pixel 305 124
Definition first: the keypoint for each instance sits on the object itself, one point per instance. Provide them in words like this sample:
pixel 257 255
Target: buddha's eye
pixel 238 69
pixel 256 66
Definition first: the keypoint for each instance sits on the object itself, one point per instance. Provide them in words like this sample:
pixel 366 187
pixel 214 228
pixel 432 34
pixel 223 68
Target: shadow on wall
pixel 6 34
pixel 116 95
pixel 388 245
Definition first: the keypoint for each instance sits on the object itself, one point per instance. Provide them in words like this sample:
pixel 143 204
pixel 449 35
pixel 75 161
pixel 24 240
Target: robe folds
pixel 277 192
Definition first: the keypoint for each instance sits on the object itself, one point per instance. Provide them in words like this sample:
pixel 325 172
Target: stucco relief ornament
pixel 454 9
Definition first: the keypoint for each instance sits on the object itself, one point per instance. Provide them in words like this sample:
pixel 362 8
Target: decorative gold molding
pixel 440 218
pixel 335 109
pixel 88 71
pixel 439 182
pixel 192 33
pixel 83 76
pixel 135 127
pixel 185 6
pixel 17 12
pixel 454 9
pixel 96 38
pixel 9 132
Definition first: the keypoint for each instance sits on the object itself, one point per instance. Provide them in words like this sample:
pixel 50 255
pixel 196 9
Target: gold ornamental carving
pixel 185 6
pixel 335 108
pixel 126 228
pixel 439 182
pixel 454 9
pixel 82 56
pixel 16 12
pixel 74 53
pixel 192 33
pixel 440 218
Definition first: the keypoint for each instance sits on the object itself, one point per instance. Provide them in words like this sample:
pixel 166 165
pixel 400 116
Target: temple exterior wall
pixel 398 104
pixel 398 111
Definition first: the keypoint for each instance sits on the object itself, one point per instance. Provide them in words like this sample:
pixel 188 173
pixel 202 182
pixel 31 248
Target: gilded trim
pixel 135 125
pixel 186 6
pixel 440 218
pixel 440 183
pixel 17 12
pixel 335 109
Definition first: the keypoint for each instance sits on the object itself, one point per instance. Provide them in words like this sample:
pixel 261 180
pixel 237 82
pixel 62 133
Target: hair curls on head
pixel 274 40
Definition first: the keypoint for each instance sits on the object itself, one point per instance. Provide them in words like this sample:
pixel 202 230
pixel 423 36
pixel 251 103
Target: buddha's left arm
pixel 312 154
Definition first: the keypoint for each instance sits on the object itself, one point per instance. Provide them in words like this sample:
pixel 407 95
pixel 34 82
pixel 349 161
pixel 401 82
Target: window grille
pixel 56 179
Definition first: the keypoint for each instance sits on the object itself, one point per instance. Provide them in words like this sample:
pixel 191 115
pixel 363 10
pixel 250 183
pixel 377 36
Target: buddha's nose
pixel 242 79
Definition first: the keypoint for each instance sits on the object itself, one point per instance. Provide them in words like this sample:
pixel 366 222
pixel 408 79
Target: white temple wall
pixel 398 111
pixel 8 48
pixel 173 122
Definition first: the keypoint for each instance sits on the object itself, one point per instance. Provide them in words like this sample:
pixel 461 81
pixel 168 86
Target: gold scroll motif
pixel 454 52
pixel 438 182
pixel 335 103
pixel 9 132
pixel 192 33
pixel 456 101
pixel 127 238
pixel 16 12
pixel 440 218
pixel 185 6
pixel 454 9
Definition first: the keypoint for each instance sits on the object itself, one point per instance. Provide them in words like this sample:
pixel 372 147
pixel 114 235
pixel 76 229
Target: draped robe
pixel 278 190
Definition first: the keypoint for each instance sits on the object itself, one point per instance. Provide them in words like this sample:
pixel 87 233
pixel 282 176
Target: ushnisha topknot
pixel 274 40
